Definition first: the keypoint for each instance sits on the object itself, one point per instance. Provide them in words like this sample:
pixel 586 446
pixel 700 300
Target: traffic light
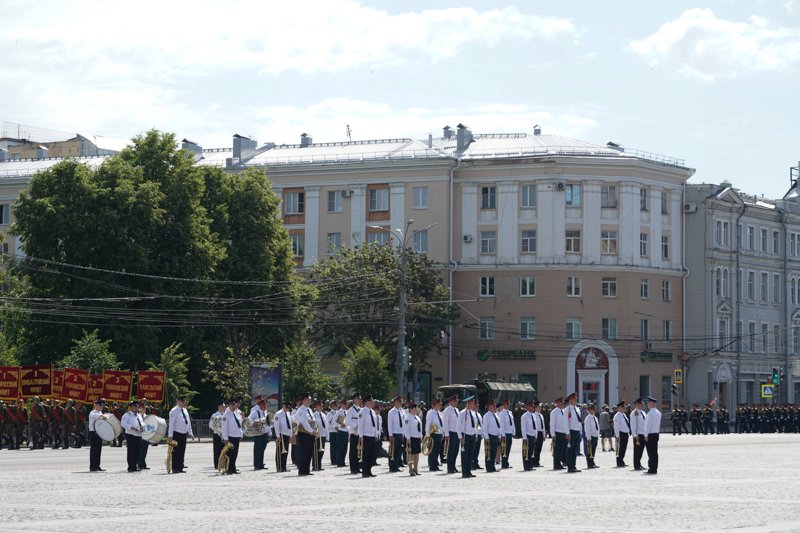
pixel 674 389
pixel 776 377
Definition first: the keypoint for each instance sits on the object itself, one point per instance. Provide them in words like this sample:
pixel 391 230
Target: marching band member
pixel 367 432
pixel 528 428
pixel 322 427
pixel 217 433
pixel 538 420
pixel 133 435
pixel 305 436
pixel 450 430
pixel 637 421
pixel 652 429
pixel 591 429
pixel 396 432
pixel 141 459
pixel 433 416
pixel 508 429
pixel 412 431
pixel 333 431
pixel 574 426
pixel 95 443
pixel 492 433
pixel 258 413
pixel 180 428
pixel 376 408
pixel 352 424
pixel 558 431
pixel 343 432
pixel 231 432
pixel 283 432
pixel 622 428
pixel 466 432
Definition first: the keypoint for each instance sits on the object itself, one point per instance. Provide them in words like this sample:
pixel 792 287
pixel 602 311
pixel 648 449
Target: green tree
pixel 302 373
pixel 366 370
pixel 175 365
pixel 91 353
pixel 229 374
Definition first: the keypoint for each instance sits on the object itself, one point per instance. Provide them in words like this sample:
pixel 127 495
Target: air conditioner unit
pixel 560 186
pixel 347 193
pixel 690 207
pixel 467 238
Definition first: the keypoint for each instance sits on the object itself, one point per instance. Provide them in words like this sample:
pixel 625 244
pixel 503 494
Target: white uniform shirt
pixel 256 414
pixel 652 423
pixel 352 419
pixel 637 422
pixel 330 422
pixel 492 425
pixel 591 427
pixel 573 418
pixel 466 423
pixel 507 422
pixel 211 420
pixel 93 416
pixel 322 424
pixel 395 420
pixel 379 419
pixel 538 421
pixel 450 420
pixel 558 424
pixel 231 424
pixel 368 426
pixel 304 417
pixel 412 427
pixel 130 423
pixel 283 423
pixel 179 421
pixel 433 417
pixel 528 425
pixel 621 424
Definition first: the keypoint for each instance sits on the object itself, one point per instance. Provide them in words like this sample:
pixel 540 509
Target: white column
pixel 397 207
pixel 551 211
pixel 676 218
pixel 656 228
pixel 469 222
pixel 629 225
pixel 592 224
pixel 312 226
pixel 358 215
pixel 508 238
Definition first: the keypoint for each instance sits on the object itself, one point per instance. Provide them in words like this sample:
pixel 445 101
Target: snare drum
pixel 108 429
pixel 155 429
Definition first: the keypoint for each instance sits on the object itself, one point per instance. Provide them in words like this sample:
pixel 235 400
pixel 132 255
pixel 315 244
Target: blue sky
pixel 715 84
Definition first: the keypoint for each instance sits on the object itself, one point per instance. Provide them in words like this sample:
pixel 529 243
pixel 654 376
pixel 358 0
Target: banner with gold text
pixel 94 390
pixel 151 385
pixel 117 385
pixel 36 380
pixel 58 383
pixel 76 382
pixel 9 383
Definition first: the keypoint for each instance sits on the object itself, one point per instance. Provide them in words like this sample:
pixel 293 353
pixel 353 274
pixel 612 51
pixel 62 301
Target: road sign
pixel 678 376
pixel 766 390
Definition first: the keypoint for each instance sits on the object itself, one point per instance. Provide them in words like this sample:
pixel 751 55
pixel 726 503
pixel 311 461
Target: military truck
pixel 488 388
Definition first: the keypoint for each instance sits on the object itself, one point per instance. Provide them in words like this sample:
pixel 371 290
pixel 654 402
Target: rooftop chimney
pixel 193 148
pixel 463 138
pixel 305 140
pixel 243 147
pixel 615 146
pixel 537 130
pixel 447 133
pixel 430 141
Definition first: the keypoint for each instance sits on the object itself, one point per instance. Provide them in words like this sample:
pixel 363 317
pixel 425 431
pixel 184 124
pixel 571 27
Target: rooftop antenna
pixel 349 133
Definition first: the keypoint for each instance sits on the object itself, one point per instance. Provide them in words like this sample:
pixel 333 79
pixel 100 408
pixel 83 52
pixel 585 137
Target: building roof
pixel 28 167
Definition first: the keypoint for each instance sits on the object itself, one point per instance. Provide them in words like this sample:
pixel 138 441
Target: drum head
pixel 105 430
pixel 155 428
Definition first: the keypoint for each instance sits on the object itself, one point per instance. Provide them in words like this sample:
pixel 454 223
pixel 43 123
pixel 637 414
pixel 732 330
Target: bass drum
pixel 155 429
pixel 108 429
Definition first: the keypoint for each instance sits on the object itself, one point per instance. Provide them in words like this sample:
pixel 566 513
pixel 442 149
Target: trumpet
pixel 553 447
pixel 360 449
pixel 445 445
pixel 170 448
pixel 391 448
pixel 503 447
pixel 524 449
pixel 224 461
pixel 589 447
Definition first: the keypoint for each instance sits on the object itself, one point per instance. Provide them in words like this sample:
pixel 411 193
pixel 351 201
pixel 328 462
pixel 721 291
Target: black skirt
pixel 416 445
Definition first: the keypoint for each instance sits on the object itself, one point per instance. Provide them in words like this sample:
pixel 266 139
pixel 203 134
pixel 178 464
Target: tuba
pixel 224 461
pixel 427 441
pixel 293 438
pixel 170 448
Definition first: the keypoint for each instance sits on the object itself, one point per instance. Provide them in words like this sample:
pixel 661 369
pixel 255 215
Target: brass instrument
pixel 224 461
pixel 553 447
pixel 360 449
pixel 216 425
pixel 445 445
pixel 589 448
pixel 170 448
pixel 427 441
pixel 616 445
pixel 313 424
pixel 524 449
pixel 340 422
pixel 503 447
pixel 293 438
pixel 486 451
pixel 391 449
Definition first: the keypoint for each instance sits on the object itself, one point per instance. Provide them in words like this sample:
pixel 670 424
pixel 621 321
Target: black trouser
pixel 574 448
pixel 622 447
pixel 504 459
pixel 652 452
pixel 280 458
pixel 305 450
pixel 396 460
pixel 259 447
pixel 592 442
pixel 433 458
pixel 452 452
pixel 355 468
pixel 96 446
pixel 233 453
pixel 217 449
pixel 333 437
pixel 320 441
pixel 344 436
pixel 490 467
pixel 132 443
pixel 179 452
pixel 476 453
pixel 467 455
pixel 68 429
pixel 367 455
pixel 676 427
pixel 559 450
pixel 638 451
pixel 527 459
pixel 141 458
pixel 537 450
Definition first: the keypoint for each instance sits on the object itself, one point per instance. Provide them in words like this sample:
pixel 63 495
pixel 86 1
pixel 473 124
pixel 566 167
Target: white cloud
pixel 791 6
pixel 703 46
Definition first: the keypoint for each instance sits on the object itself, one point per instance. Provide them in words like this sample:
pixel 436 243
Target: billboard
pixel 266 381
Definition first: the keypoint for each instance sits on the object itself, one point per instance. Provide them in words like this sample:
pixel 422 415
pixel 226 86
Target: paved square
pixel 705 483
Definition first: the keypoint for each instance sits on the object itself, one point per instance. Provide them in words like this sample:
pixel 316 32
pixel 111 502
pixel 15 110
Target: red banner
pixel 94 389
pixel 76 383
pixel 36 380
pixel 117 385
pixel 151 385
pixel 9 383
pixel 58 383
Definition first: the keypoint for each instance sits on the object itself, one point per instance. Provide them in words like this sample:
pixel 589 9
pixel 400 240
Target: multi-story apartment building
pixel 566 258
pixel 742 295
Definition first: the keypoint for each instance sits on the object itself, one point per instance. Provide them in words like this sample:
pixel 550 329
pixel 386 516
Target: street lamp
pixel 401 361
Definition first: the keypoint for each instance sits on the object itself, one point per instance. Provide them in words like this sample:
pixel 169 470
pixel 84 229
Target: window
pixel 776 288
pixel 488 197
pixel 573 244
pixel 724 293
pixel 764 286
pixel 527 286
pixel 644 385
pixel 664 247
pixel 609 329
pixel 777 341
pixel 529 241
pixel 666 290
pixel 488 242
pixel 751 285
pixel 792 285
pixel 608 242
pixel 763 240
pixel 486 329
pixel 380 237
pixel 765 338
pixel 573 194
pixel 573 286
pixel 794 243
pixel 751 238
pixel 795 337
pixel 751 336
pixel 420 242
pixel 379 199
pixel 644 329
pixel 298 244
pixel 722 332
pixel 666 331
pixel 573 328
pixel 644 289
pixel 527 327
pixel 608 196
pixel 334 242
pixel 721 233
pixel 528 196
pixel 420 197
pixel 335 201
pixel 718 282
pixel 664 203
pixel 487 286
pixel 643 244
pixel 4 214
pixel 776 242
pixel 643 199
pixel 295 203
pixel 609 287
